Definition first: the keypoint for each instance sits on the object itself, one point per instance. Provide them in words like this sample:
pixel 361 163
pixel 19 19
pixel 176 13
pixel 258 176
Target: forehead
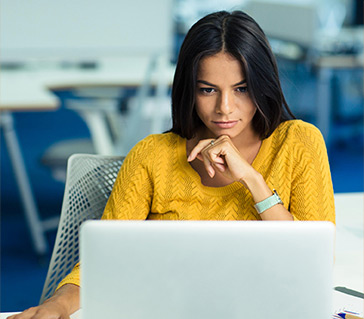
pixel 220 65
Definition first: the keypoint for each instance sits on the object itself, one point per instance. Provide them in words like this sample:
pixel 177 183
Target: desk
pixel 136 74
pixel 4 315
pixel 349 250
pixel 326 64
pixel 339 301
pixel 101 85
pixel 29 89
pixel 326 67
pixel 21 92
pixel 348 269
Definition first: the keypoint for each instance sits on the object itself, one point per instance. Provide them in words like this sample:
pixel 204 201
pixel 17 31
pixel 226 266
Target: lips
pixel 225 124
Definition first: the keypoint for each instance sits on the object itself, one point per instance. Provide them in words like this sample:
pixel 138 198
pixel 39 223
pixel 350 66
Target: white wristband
pixel 268 202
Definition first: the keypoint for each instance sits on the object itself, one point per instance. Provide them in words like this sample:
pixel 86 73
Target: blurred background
pixel 95 76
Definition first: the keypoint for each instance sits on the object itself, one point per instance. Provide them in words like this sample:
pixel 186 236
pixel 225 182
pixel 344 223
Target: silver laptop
pixel 206 269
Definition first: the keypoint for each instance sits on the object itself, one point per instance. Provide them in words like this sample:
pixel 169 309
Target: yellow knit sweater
pixel 156 181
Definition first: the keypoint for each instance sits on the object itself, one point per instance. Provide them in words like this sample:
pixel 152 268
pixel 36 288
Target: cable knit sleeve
pixel 312 196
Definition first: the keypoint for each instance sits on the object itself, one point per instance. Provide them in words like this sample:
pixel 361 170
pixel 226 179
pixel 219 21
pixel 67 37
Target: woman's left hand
pixel 221 155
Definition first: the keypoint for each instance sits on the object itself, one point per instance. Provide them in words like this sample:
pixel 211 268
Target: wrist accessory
pixel 268 202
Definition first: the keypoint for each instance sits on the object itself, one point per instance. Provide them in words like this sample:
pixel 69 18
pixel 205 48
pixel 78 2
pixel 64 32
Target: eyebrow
pixel 210 84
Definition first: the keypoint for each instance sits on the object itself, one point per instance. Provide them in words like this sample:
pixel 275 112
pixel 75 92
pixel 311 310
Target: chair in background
pixel 56 156
pixel 98 108
pixel 117 116
pixel 90 179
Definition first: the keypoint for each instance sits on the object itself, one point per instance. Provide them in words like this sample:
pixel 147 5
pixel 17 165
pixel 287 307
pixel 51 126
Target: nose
pixel 225 103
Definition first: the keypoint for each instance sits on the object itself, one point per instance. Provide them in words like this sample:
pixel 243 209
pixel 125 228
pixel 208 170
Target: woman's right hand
pixel 61 305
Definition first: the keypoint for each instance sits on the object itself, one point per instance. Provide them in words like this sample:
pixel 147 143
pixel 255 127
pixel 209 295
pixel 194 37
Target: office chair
pixel 90 179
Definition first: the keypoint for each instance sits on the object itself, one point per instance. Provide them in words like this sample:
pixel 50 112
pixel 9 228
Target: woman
pixel 234 146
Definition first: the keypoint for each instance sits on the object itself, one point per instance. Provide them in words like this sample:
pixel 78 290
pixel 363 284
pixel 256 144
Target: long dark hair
pixel 238 34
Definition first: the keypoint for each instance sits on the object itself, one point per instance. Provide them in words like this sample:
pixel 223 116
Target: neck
pixel 246 141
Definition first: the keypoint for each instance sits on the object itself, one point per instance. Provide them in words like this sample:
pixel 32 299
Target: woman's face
pixel 222 99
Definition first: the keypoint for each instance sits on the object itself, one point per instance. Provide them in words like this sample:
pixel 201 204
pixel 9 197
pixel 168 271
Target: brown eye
pixel 242 89
pixel 207 90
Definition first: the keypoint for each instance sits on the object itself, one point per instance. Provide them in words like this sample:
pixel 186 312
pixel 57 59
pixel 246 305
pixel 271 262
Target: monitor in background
pixel 286 21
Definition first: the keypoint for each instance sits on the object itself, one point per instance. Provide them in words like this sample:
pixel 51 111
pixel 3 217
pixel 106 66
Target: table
pixel 21 92
pixel 108 84
pixel 327 67
pixel 4 315
pixel 338 301
pixel 348 268
pixel 327 62
pixel 102 85
pixel 29 89
pixel 349 248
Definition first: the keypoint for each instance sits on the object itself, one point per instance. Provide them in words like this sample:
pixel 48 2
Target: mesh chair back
pixel 90 179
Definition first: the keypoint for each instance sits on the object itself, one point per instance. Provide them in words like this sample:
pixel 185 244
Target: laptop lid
pixel 206 269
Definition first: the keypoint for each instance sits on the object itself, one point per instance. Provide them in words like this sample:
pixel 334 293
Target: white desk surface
pixel 29 87
pixel 349 250
pixel 348 269
pixel 22 91
pixel 340 302
pixel 4 315
pixel 110 72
